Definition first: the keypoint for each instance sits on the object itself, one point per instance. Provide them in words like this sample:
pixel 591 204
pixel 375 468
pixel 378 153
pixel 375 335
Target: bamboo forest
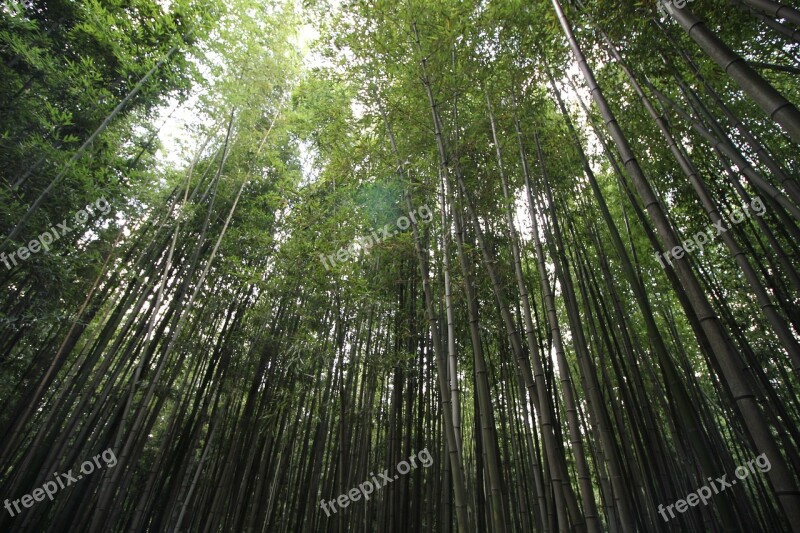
pixel 399 266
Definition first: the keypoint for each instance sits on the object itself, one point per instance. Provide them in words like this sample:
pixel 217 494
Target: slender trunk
pixel 730 364
pixel 768 99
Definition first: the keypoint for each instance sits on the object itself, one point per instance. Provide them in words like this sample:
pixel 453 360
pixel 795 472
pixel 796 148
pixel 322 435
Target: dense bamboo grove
pixel 256 256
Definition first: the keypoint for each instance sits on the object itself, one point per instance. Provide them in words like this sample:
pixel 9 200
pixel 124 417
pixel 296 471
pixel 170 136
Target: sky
pixel 180 120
